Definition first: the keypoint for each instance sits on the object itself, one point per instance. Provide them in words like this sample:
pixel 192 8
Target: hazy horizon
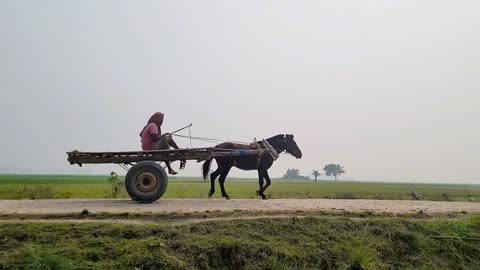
pixel 389 90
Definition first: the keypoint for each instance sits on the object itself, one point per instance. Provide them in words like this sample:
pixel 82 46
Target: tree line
pixel 329 170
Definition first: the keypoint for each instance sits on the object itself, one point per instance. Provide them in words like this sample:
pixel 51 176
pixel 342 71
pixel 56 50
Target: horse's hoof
pixel 258 193
pixel 264 197
pixel 210 194
pixel 228 198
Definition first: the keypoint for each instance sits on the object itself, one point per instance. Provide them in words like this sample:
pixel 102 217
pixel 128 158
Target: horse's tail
pixel 206 169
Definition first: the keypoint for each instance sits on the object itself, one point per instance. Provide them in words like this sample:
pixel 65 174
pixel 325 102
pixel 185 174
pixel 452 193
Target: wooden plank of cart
pixel 146 181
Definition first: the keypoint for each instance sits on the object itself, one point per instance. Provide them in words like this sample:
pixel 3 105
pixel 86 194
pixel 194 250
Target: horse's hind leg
pixel 221 180
pixel 260 182
pixel 214 176
pixel 262 190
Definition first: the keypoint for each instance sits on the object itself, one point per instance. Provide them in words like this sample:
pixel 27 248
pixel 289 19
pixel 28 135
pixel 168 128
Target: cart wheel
pixel 146 182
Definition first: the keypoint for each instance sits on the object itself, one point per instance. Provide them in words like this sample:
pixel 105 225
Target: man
pixel 152 138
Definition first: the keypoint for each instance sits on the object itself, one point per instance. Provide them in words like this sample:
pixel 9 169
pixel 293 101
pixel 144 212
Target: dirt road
pixel 203 205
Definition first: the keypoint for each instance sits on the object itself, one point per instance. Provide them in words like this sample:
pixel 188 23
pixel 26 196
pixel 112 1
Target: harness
pixel 264 146
pixel 272 151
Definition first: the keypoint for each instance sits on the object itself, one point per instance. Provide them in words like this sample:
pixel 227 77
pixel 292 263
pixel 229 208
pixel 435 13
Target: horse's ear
pixel 290 136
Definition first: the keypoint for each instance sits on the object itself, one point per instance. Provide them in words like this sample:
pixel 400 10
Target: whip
pixel 181 129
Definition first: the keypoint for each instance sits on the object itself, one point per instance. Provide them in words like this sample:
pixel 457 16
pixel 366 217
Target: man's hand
pixel 156 137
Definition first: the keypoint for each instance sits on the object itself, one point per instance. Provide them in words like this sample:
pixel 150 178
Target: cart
pixel 146 180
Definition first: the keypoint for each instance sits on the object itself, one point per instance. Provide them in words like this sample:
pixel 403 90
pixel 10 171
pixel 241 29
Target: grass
pixel 84 186
pixel 359 241
pixel 282 243
pixel 40 258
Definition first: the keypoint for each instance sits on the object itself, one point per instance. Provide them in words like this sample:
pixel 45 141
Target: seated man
pixel 152 138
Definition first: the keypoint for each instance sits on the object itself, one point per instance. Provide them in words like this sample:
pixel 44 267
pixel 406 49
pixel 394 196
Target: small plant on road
pixel 116 184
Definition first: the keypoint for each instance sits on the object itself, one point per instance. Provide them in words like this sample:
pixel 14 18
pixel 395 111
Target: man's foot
pixel 172 172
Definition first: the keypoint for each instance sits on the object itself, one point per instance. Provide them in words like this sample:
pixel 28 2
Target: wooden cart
pixel 146 180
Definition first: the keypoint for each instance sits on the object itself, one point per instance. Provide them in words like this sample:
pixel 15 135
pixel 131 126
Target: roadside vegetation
pixel 68 186
pixel 281 243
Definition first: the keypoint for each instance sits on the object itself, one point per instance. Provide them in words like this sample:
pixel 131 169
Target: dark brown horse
pixel 280 143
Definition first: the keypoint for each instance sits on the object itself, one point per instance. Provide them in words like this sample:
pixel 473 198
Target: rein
pixel 212 140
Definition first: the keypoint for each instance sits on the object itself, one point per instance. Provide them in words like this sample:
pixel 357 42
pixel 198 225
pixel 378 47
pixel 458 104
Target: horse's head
pixel 291 146
pixel 285 143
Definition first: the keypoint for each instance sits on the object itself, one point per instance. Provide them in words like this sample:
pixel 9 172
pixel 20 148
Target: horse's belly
pixel 246 165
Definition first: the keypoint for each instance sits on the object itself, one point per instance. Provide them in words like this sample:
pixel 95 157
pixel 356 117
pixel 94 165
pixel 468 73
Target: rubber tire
pixel 153 168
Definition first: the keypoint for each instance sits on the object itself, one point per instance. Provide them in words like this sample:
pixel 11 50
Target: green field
pixel 171 241
pixel 84 186
pixel 280 243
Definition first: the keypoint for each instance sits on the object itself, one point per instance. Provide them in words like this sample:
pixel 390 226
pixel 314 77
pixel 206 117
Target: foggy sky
pixel 389 89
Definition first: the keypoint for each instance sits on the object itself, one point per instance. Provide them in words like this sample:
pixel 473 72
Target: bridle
pixel 289 145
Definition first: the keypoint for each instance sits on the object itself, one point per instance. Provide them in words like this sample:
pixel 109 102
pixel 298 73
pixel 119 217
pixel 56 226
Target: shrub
pixel 116 185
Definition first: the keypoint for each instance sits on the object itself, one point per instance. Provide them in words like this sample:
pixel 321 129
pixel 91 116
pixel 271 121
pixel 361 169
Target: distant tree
pixel 292 174
pixel 333 169
pixel 316 174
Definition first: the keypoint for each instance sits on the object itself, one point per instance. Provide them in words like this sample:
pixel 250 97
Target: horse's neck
pixel 277 143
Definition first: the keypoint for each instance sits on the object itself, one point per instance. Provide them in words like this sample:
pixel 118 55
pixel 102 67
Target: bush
pixel 116 185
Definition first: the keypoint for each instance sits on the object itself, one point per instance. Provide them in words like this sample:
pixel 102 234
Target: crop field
pixel 84 186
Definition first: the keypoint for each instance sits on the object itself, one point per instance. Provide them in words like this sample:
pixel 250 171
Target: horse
pixel 279 142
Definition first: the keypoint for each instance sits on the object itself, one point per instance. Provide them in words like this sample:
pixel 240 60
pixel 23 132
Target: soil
pixel 256 205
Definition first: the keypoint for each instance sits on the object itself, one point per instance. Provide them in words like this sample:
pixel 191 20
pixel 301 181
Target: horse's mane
pixel 277 137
